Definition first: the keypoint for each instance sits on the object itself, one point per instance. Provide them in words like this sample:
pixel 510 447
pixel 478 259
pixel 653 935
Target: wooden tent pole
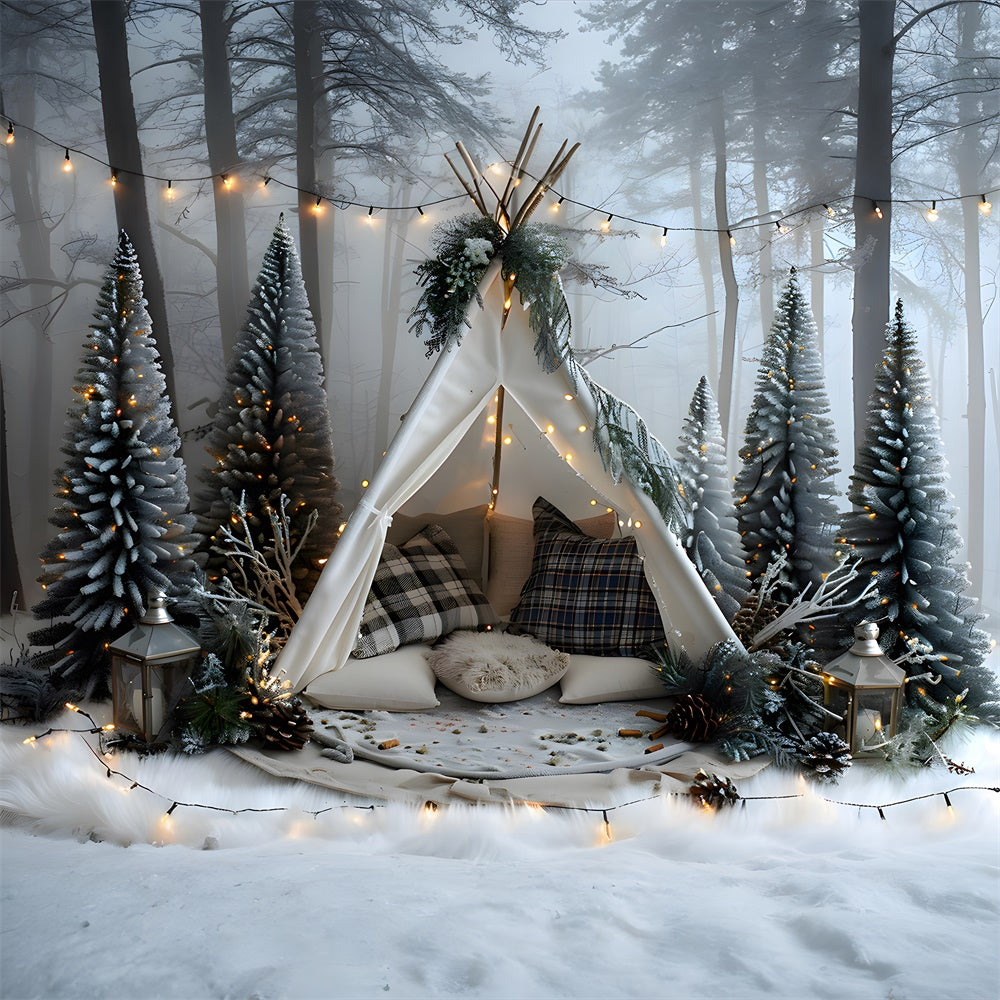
pixel 497 449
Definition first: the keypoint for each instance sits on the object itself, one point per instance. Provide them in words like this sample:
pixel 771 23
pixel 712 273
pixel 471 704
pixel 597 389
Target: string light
pixel 932 212
pixel 318 207
pixel 663 238
pixel 606 224
pixel 421 212
pixel 169 193
pixel 114 177
pixel 984 203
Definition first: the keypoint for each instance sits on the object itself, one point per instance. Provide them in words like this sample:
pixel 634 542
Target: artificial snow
pixel 796 898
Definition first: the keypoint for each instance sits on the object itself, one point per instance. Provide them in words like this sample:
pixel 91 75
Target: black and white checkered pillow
pixel 422 590
pixel 585 595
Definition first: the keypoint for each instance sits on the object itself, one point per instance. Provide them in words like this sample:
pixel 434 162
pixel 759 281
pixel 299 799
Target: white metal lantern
pixel 150 668
pixel 865 688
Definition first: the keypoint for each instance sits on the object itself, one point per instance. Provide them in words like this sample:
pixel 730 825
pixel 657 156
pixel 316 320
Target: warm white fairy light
pixel 876 208
pixel 606 224
pixel 984 205
pixel 67 163
pixel 932 212
pixel 10 134
pixel 169 193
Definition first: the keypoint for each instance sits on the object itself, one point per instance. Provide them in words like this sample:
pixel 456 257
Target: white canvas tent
pixel 446 421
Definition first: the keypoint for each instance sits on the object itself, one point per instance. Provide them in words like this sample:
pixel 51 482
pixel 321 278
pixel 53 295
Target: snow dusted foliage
pixel 785 486
pixel 271 435
pixel 123 526
pixel 902 527
pixel 710 537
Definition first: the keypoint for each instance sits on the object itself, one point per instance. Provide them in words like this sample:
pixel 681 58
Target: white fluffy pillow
pixel 400 681
pixel 495 667
pixel 592 679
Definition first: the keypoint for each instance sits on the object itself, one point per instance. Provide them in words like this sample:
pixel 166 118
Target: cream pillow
pixel 400 681
pixel 494 667
pixel 591 679
pixel 512 545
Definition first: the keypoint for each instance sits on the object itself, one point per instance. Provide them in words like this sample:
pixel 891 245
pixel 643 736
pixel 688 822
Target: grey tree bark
pixel 703 254
pixel 122 137
pixel 232 274
pixel 872 183
pixel 968 156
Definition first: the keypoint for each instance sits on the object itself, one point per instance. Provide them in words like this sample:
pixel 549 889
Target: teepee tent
pixel 444 456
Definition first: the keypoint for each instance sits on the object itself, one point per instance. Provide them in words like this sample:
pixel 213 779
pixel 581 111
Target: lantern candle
pixel 869 731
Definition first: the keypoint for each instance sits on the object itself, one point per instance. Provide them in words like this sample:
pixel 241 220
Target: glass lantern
pixel 865 688
pixel 150 669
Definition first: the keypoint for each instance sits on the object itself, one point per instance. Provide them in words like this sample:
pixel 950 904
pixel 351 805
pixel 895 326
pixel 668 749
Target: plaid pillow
pixel 422 590
pixel 585 595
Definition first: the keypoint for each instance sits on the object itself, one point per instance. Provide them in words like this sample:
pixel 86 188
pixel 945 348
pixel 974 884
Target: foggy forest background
pixel 779 124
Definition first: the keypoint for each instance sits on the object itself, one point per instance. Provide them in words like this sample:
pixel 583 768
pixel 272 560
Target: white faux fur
pixel 495 666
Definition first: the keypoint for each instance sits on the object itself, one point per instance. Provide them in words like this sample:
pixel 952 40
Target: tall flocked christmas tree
pixel 785 486
pixel 902 527
pixel 710 537
pixel 271 435
pixel 124 529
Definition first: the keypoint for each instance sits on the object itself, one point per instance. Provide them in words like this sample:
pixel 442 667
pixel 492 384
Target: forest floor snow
pixel 786 898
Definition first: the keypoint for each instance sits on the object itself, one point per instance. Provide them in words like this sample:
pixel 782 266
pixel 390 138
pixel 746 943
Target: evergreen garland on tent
pixel 789 456
pixel 710 537
pixel 271 434
pixel 902 527
pixel 123 526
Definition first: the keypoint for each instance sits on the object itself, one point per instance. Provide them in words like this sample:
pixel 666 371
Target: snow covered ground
pixel 793 898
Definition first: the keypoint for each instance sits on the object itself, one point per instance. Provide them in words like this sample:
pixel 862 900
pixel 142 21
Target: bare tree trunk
pixel 968 157
pixel 726 372
pixel 32 358
pixel 760 157
pixel 872 183
pixel 308 74
pixel 392 285
pixel 10 575
pixel 817 285
pixel 232 277
pixel 701 248
pixel 122 136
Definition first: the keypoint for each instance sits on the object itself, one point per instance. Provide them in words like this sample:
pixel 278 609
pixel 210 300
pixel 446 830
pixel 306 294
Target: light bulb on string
pixel 370 219
pixel 829 209
pixel 606 224
pixel 932 212
pixel 227 181
pixel 732 239
pixel 264 183
pixel 984 205
pixel 10 134
pixel 318 207
pixel 876 208
pixel 663 238
pixel 67 163
pixel 169 193
pixel 421 213
pixel 114 177
pixel 558 204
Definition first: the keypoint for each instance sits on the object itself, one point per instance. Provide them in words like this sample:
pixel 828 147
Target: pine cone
pixel 261 697
pixel 750 619
pixel 824 757
pixel 713 792
pixel 692 718
pixel 288 727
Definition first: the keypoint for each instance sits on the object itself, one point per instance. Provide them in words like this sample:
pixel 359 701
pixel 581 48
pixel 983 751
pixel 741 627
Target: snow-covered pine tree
pixel 271 435
pixel 902 527
pixel 710 537
pixel 785 486
pixel 124 528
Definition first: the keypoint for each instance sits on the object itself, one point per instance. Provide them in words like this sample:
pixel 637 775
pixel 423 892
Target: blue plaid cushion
pixel 422 590
pixel 585 595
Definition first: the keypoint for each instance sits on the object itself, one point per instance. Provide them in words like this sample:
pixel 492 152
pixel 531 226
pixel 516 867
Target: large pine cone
pixel 692 718
pixel 824 757
pixel 713 791
pixel 750 619
pixel 288 727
